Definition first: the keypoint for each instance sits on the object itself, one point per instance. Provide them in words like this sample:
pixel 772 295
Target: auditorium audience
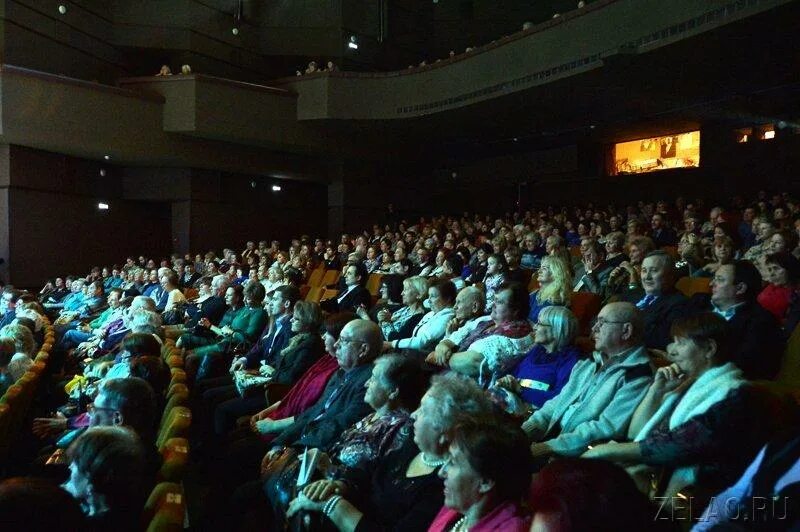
pixel 401 322
pixel 431 328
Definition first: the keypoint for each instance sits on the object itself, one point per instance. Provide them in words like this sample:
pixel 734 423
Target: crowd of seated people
pixel 454 363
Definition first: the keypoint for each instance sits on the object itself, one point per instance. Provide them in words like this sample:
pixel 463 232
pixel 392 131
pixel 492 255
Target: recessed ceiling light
pixel 276 188
pixel 102 206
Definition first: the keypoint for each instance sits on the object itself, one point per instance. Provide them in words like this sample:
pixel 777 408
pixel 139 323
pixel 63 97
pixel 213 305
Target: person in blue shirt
pixel 546 368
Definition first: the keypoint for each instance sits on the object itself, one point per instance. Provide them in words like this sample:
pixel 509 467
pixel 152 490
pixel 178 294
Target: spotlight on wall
pixel 107 157
pixel 102 172
pixel 62 9
pixel 102 206
pixel 353 44
pixel 235 31
pixel 276 188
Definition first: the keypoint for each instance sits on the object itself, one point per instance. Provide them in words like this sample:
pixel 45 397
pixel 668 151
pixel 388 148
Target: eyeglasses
pixel 599 322
pixel 343 339
pixel 540 324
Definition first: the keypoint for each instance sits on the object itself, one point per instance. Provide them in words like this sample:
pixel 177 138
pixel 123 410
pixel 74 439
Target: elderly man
pixel 658 300
pixel 603 391
pixel 210 306
pixel 754 333
pixel 342 402
pixel 469 313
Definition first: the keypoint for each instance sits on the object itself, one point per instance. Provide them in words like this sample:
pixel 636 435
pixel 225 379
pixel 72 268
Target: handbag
pixel 249 384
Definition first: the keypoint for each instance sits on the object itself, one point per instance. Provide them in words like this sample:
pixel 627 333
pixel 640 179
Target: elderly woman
pixel 403 490
pixel 695 407
pixel 401 322
pixel 432 327
pixel 783 241
pixel 555 286
pixel 110 477
pixel 489 341
pixel 169 282
pixel 485 479
pixel 240 325
pixel 25 349
pixel 783 278
pixel 690 252
pixel 545 370
pixel 626 275
pixel 393 392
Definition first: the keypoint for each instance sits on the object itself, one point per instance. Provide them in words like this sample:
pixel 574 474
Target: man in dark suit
pixel 223 400
pixel 754 333
pixel 658 300
pixel 189 277
pixel 661 234
pixel 355 295
pixel 342 402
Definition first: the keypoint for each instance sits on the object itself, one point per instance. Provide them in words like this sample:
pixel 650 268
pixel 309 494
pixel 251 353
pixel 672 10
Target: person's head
pixel 470 303
pixel 441 295
pixel 130 402
pixel 781 241
pixel 783 269
pixel 359 343
pixel 489 463
pixel 234 296
pixel 511 302
pixel 640 247
pixel 397 382
pixel 734 283
pixel 140 344
pixel 617 328
pixel 253 294
pixel 355 274
pixel 22 337
pixel 153 370
pixel 763 229
pixel 658 273
pixel 556 328
pixel 657 222
pixel 723 249
pixel 332 328
pixel 572 494
pixel 496 264
pixel 38 505
pixel 529 241
pixel 168 280
pixel 415 290
pixel 282 300
pixel 108 470
pixel 448 401
pixel 453 265
pixel 306 317
pixel 615 242
pixel 699 342
pixel 7 351
pixel 114 297
pixel 392 288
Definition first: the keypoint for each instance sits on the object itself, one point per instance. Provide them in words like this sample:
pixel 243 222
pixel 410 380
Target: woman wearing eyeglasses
pixel 545 370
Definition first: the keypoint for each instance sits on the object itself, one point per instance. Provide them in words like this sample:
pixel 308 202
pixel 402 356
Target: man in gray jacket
pixel 603 391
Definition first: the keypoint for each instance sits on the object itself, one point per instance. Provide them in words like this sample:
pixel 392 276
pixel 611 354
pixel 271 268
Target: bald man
pixel 342 402
pixel 603 391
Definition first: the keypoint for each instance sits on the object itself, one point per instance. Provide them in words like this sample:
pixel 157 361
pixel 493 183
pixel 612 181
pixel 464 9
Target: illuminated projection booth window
pixel 680 150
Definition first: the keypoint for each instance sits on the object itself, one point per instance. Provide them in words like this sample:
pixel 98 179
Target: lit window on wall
pixel 769 135
pixel 743 135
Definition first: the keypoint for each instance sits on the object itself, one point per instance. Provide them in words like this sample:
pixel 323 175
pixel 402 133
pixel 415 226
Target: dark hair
pixel 114 461
pixel 8 348
pixel 361 272
pixel 702 329
pixel 519 300
pixel 141 344
pixel 38 505
pixel 334 323
pixel 447 290
pixel 405 374
pixel 135 400
pixel 153 370
pixel 788 262
pixel 288 292
pixel 394 286
pixel 589 495
pixel 501 260
pixel 255 291
pixel 745 272
pixel 498 451
pixel 27 323
pixel 238 291
pixel 456 263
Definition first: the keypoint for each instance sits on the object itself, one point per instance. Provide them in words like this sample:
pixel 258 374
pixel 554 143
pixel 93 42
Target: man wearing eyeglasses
pixel 603 391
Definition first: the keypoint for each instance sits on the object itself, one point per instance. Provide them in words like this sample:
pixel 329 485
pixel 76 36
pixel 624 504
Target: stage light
pixel 62 9
pixel 102 206
pixel 276 188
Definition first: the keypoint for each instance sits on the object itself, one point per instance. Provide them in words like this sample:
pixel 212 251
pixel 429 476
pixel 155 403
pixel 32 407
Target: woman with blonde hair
pixel 555 286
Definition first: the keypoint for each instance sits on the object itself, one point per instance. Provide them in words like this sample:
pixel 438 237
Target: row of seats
pixel 165 510
pixel 16 403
